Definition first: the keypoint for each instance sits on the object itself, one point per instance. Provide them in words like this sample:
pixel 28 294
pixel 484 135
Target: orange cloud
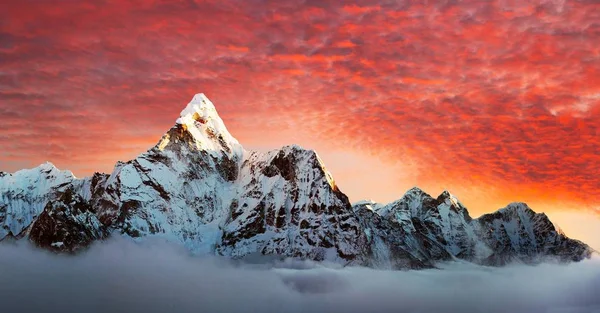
pixel 235 48
pixel 495 100
pixel 355 9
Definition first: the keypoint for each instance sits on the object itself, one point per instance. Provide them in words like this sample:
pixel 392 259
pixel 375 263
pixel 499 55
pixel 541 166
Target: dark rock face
pixel 67 224
pixel 283 164
pixel 3 209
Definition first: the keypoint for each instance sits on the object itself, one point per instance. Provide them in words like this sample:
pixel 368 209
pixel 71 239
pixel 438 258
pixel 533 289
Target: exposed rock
pixel 67 224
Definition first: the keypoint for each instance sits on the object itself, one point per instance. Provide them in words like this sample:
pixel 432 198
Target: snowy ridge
pixel 512 234
pixel 198 187
pixel 24 194
pixel 201 120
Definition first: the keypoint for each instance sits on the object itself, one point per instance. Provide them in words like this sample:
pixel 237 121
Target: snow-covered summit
pixel 364 202
pixel 47 166
pixel 516 207
pixel 200 119
pixel 415 190
pixel 36 174
pixel 447 195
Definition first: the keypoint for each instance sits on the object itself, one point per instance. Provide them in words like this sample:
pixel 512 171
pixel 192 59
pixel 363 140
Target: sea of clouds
pixel 122 276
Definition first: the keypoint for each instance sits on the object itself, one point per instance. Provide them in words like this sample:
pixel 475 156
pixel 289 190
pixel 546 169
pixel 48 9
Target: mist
pixel 122 276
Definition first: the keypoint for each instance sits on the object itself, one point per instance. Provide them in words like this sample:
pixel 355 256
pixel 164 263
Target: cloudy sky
pixel 495 100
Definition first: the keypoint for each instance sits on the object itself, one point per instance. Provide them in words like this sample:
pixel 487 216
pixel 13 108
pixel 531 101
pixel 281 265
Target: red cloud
pixel 478 93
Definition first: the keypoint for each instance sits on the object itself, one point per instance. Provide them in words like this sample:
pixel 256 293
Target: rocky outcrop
pixel 67 224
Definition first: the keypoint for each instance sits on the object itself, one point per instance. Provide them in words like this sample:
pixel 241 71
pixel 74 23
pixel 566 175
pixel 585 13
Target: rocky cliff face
pixel 67 223
pixel 200 188
pixel 288 204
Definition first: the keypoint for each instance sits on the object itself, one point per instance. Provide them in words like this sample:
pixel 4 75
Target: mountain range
pixel 200 188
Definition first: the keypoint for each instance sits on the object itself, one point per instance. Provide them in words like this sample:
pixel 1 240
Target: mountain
pixel 197 186
pixel 24 194
pixel 200 188
pixel 418 230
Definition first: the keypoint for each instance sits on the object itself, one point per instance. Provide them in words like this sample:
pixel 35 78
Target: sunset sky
pixel 496 101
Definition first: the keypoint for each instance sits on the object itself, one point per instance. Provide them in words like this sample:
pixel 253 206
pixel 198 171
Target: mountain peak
pixel 415 190
pixel 201 106
pixel 201 111
pixel 47 166
pixel 447 195
pixel 517 207
pixel 364 202
pixel 201 120
pixel 414 193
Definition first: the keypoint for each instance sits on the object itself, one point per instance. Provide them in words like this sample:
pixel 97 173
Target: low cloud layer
pixel 120 276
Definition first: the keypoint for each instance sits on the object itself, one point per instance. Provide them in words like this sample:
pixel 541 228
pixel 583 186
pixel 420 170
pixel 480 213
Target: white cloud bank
pixel 120 276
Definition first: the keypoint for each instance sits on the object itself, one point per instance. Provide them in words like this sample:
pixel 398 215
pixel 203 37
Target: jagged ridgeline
pixel 200 188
